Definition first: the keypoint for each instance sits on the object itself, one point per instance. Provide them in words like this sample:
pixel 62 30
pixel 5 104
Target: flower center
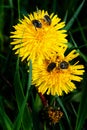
pixel 39 36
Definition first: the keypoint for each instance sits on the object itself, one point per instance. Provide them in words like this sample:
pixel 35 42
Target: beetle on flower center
pixel 63 65
pixel 51 66
pixel 47 19
pixel 37 23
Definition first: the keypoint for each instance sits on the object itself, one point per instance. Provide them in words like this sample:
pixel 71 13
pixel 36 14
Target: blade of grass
pixel 19 9
pixel 36 108
pixel 82 111
pixel 78 50
pixel 12 12
pixel 61 126
pixel 21 101
pixel 18 121
pixel 84 27
pixel 82 32
pixel 54 5
pixel 37 103
pixel 45 126
pixel 1 24
pixel 5 120
pixel 64 110
pixel 70 23
pixel 66 15
pixel 2 57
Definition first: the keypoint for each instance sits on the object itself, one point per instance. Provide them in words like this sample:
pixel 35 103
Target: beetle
pixel 64 65
pixel 51 66
pixel 37 23
pixel 47 19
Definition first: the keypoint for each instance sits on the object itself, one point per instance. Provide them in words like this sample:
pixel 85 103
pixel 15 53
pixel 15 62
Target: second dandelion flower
pixel 55 75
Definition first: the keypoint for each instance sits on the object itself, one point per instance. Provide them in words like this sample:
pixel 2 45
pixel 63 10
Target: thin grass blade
pixel 82 111
pixel 1 24
pixel 5 120
pixel 70 23
pixel 78 50
pixel 64 110
pixel 24 115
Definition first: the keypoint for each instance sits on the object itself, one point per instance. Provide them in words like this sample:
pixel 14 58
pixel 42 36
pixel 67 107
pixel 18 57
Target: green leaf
pixel 78 50
pixel 82 32
pixel 2 13
pixel 37 103
pixel 54 5
pixel 5 120
pixel 24 115
pixel 64 110
pixel 82 111
pixel 19 8
pixel 70 23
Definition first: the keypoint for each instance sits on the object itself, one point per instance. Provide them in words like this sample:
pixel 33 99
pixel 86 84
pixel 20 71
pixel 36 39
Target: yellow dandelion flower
pixel 38 34
pixel 55 75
